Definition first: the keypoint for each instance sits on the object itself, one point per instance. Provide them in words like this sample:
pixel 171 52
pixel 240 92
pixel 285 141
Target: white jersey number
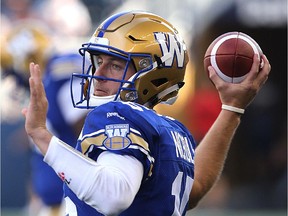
pixel 180 203
pixel 71 209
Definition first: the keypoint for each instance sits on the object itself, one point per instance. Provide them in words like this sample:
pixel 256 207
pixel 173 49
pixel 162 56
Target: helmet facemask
pixel 86 80
pixel 148 42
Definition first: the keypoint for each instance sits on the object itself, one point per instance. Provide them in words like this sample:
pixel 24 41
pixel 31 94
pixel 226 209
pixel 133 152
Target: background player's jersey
pixel 161 144
pixel 45 182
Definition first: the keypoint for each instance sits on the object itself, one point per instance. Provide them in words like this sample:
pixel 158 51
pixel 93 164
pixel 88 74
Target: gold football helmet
pixel 156 50
pixel 27 41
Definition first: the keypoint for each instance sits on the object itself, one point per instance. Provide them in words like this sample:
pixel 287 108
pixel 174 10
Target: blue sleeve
pixel 122 128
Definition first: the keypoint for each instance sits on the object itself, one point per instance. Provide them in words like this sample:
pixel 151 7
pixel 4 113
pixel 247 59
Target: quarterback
pixel 129 160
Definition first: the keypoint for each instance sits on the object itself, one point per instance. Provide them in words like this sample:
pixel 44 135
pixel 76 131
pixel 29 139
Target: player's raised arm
pixel 36 111
pixel 211 153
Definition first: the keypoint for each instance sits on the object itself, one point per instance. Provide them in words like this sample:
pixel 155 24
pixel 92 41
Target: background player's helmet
pixel 151 44
pixel 27 41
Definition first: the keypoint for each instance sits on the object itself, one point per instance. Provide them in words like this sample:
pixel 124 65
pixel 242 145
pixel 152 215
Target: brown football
pixel 231 55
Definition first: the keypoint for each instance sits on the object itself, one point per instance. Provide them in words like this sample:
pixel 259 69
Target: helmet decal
pixel 173 47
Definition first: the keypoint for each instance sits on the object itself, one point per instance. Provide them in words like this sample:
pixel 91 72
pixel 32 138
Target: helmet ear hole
pixel 145 91
pixel 159 82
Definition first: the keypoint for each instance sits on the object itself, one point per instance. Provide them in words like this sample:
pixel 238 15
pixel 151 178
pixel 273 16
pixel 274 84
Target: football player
pixel 64 121
pixel 27 41
pixel 129 160
pixel 30 41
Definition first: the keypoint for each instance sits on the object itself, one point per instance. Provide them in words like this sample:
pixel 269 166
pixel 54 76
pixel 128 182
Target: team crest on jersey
pixel 117 136
pixel 173 45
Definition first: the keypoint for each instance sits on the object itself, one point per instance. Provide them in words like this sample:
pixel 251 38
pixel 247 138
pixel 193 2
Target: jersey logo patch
pixel 117 136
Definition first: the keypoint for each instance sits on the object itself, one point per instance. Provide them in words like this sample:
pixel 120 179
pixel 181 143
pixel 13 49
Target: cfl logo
pixel 117 136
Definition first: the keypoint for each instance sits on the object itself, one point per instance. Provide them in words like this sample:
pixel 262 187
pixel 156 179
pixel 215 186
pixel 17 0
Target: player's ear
pixel 85 88
pixel 254 69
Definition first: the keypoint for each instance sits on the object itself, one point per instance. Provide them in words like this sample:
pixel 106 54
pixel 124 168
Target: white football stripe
pixel 216 47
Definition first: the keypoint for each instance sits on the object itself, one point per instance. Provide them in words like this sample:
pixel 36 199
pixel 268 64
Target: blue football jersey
pixel 45 182
pixel 163 145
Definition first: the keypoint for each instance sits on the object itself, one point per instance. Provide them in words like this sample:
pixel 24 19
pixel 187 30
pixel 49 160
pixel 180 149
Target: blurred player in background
pixel 22 42
pixel 46 43
pixel 29 42
pixel 129 160
pixel 63 120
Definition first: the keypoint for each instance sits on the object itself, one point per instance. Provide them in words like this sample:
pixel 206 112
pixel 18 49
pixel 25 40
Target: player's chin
pixel 100 93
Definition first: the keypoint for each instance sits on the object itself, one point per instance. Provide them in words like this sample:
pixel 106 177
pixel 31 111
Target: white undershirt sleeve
pixel 113 178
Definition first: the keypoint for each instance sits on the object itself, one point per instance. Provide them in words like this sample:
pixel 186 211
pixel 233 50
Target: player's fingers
pixel 35 86
pixel 264 72
pixel 35 73
pixel 24 111
pixel 37 79
pixel 32 70
pixel 253 73
pixel 217 81
pixel 32 82
pixel 34 95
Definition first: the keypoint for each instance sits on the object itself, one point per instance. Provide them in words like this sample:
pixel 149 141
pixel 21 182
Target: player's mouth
pixel 100 92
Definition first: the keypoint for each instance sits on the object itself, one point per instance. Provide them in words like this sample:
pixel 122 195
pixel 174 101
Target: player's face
pixel 110 67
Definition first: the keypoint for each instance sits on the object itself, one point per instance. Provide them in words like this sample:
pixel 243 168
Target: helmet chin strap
pixel 165 92
pixel 99 100
pixel 170 101
pixel 96 101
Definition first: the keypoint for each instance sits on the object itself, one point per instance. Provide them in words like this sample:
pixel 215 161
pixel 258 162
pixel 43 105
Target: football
pixel 231 55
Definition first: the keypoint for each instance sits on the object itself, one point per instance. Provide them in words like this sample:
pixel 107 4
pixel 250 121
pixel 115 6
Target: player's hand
pixel 242 94
pixel 36 111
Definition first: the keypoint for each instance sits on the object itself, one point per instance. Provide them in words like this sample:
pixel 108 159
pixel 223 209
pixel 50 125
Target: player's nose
pixel 100 72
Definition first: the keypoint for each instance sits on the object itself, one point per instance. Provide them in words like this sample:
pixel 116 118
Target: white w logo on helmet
pixel 171 46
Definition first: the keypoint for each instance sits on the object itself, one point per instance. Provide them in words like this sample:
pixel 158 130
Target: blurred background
pixel 254 181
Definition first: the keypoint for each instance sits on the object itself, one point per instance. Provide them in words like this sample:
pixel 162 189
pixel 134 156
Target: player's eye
pixel 96 61
pixel 116 67
pixel 99 61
